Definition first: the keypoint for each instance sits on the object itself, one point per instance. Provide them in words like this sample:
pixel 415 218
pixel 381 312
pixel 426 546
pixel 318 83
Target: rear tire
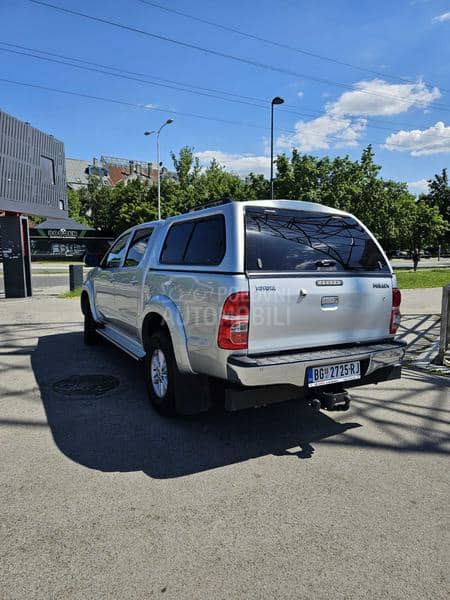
pixel 161 373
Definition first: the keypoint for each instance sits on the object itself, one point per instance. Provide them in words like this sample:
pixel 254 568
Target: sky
pixel 351 73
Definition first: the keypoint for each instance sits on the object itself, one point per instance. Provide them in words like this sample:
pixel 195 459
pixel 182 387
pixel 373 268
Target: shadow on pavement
pixel 120 431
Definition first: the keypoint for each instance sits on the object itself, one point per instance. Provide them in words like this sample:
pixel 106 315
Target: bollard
pixel 75 277
pixel 445 324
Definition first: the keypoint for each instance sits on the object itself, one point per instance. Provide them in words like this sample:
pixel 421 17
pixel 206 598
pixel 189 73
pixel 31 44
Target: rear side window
pixel 207 243
pixel 197 242
pixel 308 241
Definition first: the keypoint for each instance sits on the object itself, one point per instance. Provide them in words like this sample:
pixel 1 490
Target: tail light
pixel 395 312
pixel 233 327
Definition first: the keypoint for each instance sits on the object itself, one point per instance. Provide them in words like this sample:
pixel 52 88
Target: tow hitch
pixel 337 400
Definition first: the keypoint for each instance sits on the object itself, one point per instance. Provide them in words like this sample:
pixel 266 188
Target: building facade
pixel 32 170
pixel 111 170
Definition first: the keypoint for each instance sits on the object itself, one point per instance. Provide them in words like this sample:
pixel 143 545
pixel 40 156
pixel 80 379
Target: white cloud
pixel 442 18
pixel 300 94
pixel 418 187
pixel 420 142
pixel 378 98
pixel 343 122
pixel 242 164
pixel 319 133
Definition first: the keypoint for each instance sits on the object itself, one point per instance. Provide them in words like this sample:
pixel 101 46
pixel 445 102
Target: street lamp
pixel 276 100
pixel 168 122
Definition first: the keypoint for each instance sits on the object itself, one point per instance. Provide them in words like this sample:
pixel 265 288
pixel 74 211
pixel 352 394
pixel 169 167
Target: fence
pixel 445 324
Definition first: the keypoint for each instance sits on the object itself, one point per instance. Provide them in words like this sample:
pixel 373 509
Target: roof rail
pixel 217 202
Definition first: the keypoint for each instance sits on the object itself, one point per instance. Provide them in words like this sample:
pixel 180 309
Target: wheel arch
pixel 162 313
pixel 152 322
pixel 87 301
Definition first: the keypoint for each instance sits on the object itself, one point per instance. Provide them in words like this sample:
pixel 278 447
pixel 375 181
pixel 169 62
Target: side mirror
pixel 92 260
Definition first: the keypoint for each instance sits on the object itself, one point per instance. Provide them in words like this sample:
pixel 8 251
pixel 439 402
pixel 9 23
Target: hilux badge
pixel 380 285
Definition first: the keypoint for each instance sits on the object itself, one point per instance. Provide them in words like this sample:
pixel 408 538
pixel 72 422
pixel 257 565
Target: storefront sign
pixel 62 233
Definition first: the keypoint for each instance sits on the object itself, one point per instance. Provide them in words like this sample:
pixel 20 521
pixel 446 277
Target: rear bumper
pixel 291 369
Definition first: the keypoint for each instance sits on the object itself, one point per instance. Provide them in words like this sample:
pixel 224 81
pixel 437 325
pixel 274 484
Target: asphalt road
pixel 102 498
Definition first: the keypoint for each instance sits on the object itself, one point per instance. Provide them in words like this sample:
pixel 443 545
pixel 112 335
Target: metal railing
pixel 445 324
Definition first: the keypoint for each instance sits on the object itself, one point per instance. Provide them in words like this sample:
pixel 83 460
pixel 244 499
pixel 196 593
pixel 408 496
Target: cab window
pixel 115 255
pixel 137 247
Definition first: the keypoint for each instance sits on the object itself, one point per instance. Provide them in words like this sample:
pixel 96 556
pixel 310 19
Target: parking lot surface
pixel 100 497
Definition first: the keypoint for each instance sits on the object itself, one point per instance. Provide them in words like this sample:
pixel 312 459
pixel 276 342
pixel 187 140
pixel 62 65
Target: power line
pixel 225 55
pixel 120 70
pixel 160 109
pixel 258 38
pixel 125 103
pixel 121 76
pixel 263 104
pixel 183 83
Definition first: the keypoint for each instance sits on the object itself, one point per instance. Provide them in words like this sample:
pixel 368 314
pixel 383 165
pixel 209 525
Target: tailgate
pixel 306 312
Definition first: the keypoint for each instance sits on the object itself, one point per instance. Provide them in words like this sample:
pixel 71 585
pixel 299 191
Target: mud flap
pixel 192 394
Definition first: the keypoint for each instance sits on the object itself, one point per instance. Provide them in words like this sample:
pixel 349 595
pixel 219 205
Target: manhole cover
pixel 86 385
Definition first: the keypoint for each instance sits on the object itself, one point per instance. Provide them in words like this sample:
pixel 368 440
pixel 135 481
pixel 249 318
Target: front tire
pixel 90 334
pixel 160 373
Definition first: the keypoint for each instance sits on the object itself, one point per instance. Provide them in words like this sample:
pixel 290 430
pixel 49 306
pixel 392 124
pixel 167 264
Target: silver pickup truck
pixel 259 300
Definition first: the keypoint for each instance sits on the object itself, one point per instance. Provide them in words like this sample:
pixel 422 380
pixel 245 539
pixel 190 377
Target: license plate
pixel 334 373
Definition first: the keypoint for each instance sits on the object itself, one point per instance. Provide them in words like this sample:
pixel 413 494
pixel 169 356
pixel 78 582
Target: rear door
pixel 315 279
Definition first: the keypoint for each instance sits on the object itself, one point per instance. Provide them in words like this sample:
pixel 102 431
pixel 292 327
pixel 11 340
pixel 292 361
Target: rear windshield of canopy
pixel 285 240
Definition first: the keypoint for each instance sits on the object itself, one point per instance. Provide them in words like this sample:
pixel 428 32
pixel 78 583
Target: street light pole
pixel 276 100
pixel 158 172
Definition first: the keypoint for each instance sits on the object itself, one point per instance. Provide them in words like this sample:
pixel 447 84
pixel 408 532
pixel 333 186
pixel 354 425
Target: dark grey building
pixel 32 170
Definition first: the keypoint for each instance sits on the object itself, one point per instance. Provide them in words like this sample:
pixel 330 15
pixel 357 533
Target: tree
pixel 256 187
pixel 427 227
pixel 439 194
pixel 75 209
pixel 439 197
pixel 386 207
pixel 133 203
pixel 187 166
pixel 96 204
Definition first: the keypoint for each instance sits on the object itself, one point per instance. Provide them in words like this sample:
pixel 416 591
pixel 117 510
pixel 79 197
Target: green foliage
pixel 256 187
pixel 75 207
pixel 386 207
pixel 439 196
pixel 72 294
pixel 133 203
pixel 428 227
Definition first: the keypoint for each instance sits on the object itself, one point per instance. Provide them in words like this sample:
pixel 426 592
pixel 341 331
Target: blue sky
pixel 407 120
